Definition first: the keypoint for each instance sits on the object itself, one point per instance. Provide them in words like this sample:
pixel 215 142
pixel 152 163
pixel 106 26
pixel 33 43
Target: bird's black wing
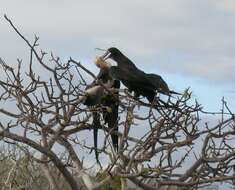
pixel 110 115
pixel 133 77
pixel 158 83
pixel 135 80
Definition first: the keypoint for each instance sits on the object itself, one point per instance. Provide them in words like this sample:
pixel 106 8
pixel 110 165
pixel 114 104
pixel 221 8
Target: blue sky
pixel 190 43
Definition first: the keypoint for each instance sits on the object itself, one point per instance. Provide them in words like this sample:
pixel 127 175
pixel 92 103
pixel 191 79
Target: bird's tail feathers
pixel 173 92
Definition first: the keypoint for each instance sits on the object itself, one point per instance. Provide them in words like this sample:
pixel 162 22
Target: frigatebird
pixel 109 104
pixel 133 78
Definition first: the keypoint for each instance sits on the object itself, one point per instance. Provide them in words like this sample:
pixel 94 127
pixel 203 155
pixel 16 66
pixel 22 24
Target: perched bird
pixel 133 78
pixel 107 101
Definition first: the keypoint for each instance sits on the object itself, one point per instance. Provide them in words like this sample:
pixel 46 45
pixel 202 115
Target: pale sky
pixel 189 43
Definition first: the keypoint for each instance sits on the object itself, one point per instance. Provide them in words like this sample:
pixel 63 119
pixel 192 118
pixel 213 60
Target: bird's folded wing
pixel 136 78
pixel 158 82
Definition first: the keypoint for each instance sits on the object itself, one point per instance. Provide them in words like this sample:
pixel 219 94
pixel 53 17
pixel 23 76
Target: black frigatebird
pixel 133 78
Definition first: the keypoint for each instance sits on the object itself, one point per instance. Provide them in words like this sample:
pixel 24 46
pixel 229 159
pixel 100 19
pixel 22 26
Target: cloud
pixel 184 36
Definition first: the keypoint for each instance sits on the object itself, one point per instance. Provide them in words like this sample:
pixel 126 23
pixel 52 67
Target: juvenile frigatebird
pixel 133 78
pixel 109 105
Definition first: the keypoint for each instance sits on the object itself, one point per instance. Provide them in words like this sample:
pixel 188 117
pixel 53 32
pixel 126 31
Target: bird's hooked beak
pixel 106 54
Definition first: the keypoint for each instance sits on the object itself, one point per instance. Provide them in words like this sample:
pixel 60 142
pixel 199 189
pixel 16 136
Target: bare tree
pixel 19 172
pixel 175 147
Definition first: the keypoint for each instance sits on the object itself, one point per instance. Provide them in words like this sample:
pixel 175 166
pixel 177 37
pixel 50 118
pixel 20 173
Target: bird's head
pixel 112 53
